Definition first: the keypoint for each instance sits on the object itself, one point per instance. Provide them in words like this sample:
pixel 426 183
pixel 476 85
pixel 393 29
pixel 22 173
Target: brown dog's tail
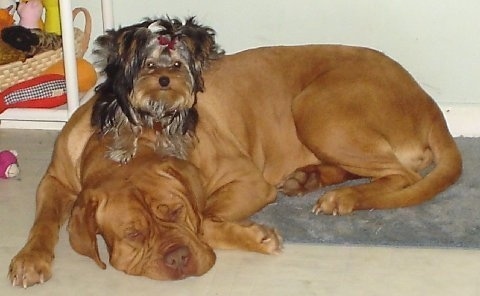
pixel 447 170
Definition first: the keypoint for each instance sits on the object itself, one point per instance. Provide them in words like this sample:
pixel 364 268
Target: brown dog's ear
pixel 83 227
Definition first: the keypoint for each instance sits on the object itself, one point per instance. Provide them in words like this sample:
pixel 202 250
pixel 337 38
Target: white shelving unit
pixel 31 118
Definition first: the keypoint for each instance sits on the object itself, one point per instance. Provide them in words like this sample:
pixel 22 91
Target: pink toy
pixel 8 164
pixel 30 13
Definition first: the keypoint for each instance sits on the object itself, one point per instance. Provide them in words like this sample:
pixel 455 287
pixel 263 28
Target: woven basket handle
pixel 87 30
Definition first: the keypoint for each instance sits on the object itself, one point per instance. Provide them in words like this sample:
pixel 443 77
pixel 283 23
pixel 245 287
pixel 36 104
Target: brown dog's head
pixel 149 216
pixel 153 72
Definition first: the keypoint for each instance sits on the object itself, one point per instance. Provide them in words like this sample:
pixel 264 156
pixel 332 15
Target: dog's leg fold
pixel 241 198
pixel 312 177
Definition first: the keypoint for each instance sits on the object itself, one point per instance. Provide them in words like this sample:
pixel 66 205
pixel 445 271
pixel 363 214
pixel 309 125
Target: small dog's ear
pixel 200 42
pixel 203 44
pixel 83 227
pixel 121 54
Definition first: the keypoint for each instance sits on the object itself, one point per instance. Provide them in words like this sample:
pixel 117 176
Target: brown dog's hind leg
pixel 350 139
pixel 374 159
pixel 309 178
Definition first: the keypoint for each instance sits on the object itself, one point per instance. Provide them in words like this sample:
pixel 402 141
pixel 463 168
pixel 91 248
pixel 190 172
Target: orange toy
pixel 86 74
pixel 6 19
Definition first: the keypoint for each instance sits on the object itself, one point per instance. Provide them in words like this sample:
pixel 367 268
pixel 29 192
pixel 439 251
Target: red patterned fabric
pixel 46 91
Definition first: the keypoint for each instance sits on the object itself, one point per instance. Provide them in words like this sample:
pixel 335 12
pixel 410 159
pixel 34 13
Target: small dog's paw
pixel 335 203
pixel 27 269
pixel 121 156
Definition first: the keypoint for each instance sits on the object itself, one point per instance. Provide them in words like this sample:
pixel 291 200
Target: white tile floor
pixel 300 270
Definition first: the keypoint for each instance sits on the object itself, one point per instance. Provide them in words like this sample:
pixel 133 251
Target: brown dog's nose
pixel 177 257
pixel 164 81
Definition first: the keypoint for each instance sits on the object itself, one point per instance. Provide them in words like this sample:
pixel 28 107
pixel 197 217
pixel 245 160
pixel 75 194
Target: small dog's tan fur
pixel 288 118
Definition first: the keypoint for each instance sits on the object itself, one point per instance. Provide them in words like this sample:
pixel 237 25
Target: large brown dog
pixel 288 118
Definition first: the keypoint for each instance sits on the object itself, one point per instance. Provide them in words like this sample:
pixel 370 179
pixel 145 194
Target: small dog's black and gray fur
pixel 153 72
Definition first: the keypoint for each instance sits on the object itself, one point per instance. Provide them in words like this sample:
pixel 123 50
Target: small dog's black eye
pixel 150 65
pixel 177 64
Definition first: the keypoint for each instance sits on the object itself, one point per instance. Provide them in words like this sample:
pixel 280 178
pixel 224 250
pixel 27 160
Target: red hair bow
pixel 166 41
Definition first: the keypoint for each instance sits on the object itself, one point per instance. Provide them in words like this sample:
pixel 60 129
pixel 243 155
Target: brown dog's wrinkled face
pixel 149 220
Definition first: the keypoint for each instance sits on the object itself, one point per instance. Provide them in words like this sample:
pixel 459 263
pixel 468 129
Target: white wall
pixel 438 41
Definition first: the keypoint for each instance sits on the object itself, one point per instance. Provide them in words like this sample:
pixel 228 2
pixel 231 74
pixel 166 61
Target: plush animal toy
pixel 6 19
pixel 86 74
pixel 30 41
pixel 8 164
pixel 52 16
pixel 30 13
pixel 9 5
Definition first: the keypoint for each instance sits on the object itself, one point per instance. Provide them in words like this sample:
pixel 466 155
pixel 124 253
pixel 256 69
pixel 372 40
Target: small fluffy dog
pixel 153 74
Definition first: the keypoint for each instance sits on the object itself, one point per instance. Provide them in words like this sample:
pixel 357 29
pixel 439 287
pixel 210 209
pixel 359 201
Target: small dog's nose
pixel 177 257
pixel 164 81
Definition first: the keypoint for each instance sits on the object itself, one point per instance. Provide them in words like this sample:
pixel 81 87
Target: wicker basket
pixel 17 72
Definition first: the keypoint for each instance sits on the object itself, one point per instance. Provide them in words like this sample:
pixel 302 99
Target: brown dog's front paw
pixel 28 269
pixel 268 239
pixel 335 203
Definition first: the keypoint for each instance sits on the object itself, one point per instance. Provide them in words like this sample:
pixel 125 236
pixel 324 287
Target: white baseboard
pixel 462 119
pixel 31 124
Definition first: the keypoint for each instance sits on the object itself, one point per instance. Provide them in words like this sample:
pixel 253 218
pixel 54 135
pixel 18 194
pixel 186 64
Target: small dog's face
pixel 153 69
pixel 164 80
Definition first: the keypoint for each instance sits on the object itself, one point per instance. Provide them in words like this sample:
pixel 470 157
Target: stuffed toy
pixel 10 5
pixel 8 164
pixel 30 13
pixel 86 74
pixel 6 19
pixel 52 16
pixel 30 41
pixel 9 54
pixel 46 91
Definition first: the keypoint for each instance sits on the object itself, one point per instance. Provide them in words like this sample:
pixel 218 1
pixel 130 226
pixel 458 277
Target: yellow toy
pixel 52 16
